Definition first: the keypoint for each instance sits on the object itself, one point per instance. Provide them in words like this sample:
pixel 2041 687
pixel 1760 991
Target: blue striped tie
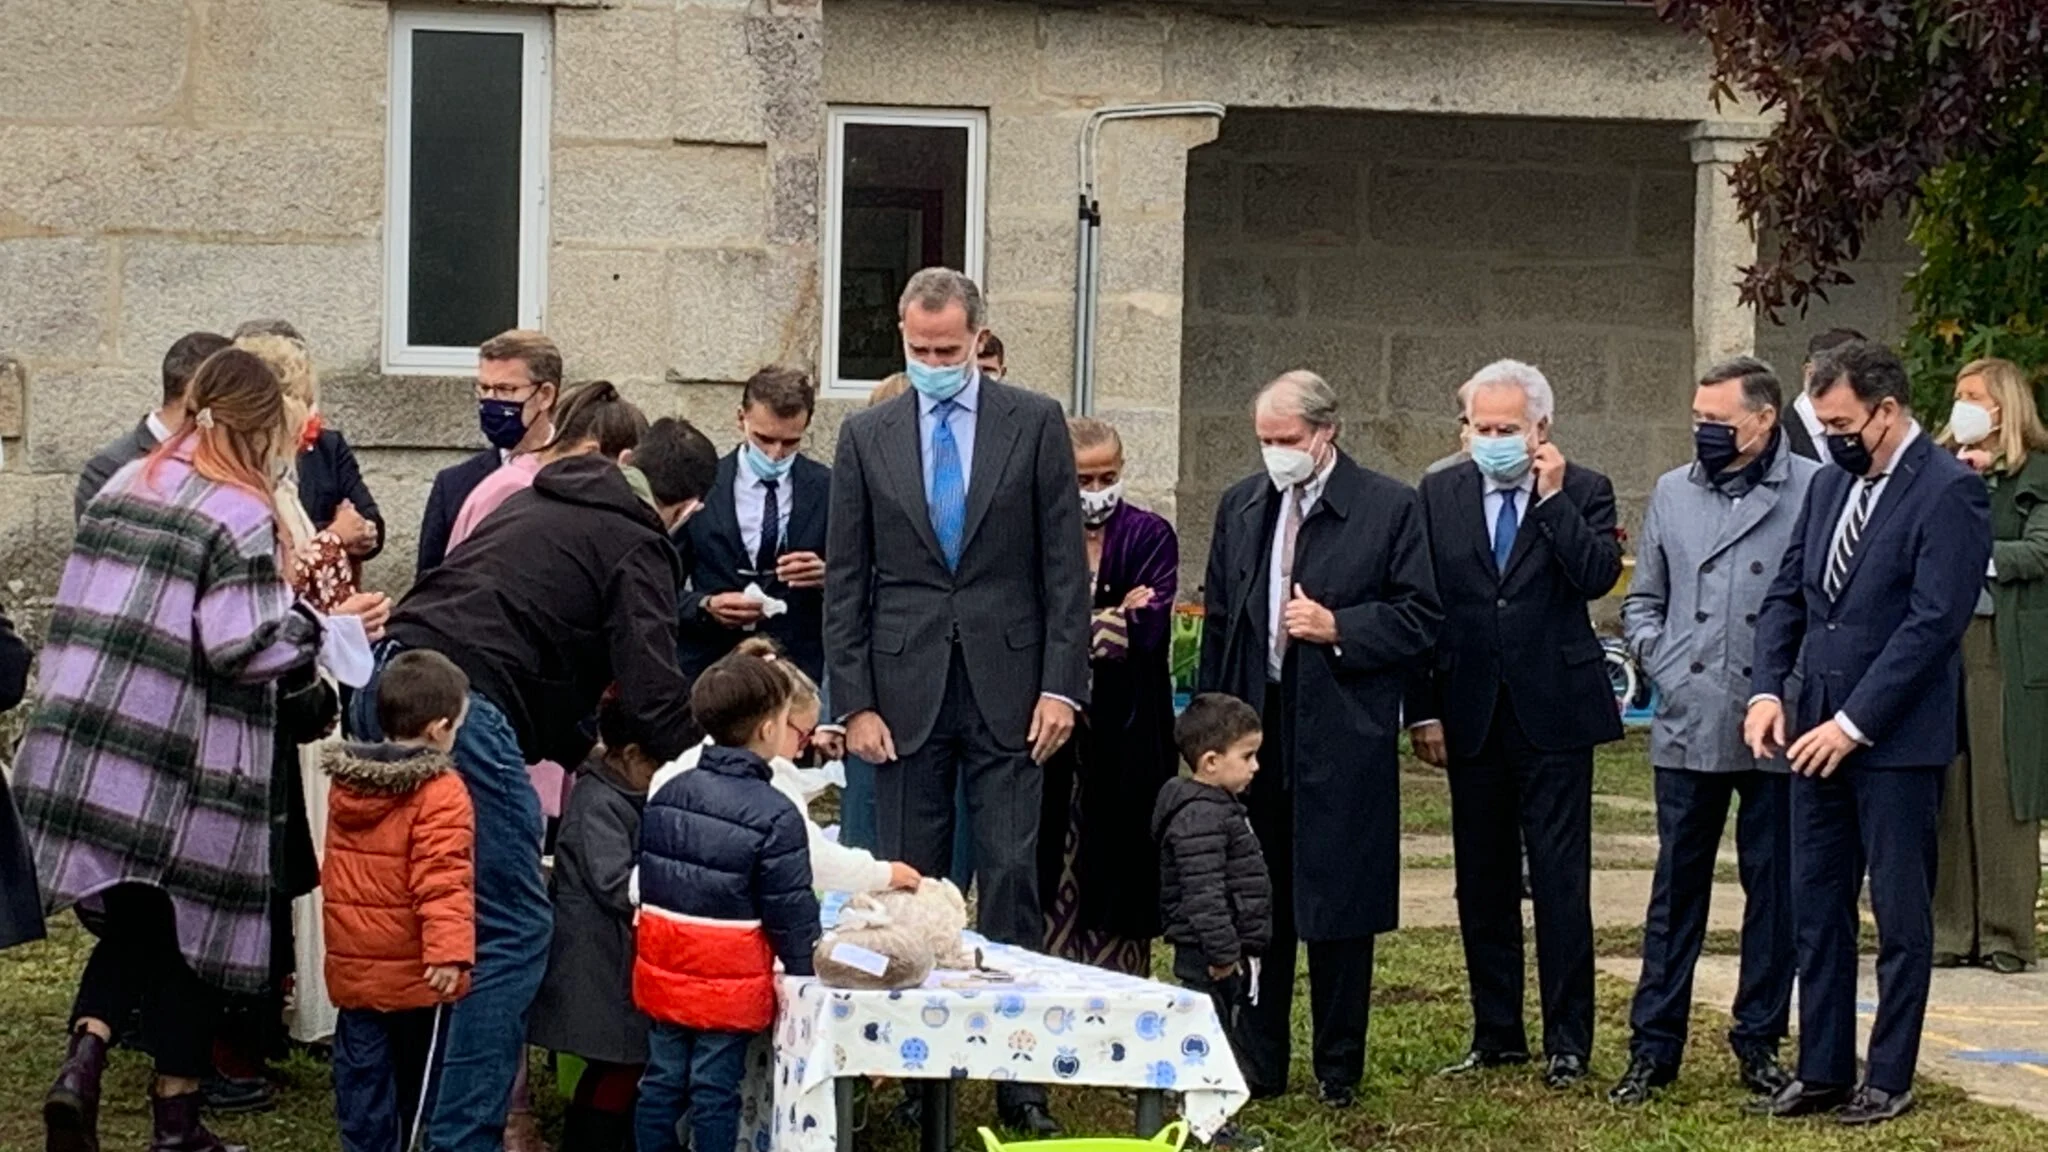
pixel 948 496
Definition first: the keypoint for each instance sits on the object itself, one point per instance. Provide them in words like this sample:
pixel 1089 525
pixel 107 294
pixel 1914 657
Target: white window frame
pixel 400 355
pixel 975 121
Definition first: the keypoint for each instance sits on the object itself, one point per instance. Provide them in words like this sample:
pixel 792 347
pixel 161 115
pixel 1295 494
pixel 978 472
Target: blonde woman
pixel 1996 795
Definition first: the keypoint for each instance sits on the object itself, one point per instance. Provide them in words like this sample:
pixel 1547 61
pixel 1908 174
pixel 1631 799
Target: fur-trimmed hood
pixel 395 770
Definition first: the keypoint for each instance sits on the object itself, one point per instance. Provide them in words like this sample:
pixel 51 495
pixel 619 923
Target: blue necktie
pixel 1504 528
pixel 949 486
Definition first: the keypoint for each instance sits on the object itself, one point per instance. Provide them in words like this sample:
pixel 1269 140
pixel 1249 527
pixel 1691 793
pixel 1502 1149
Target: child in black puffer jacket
pixel 1216 899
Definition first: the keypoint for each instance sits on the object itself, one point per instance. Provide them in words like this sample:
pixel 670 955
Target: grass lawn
pixel 1419 1023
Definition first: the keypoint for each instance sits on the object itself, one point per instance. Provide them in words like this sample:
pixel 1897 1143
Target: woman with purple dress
pixel 1098 867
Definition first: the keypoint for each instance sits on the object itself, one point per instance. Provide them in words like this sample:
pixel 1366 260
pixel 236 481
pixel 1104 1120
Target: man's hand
pixel 372 608
pixel 1821 751
pixel 1548 464
pixel 1307 620
pixel 444 979
pixel 829 742
pixel 903 876
pixel 1137 598
pixel 867 736
pixel 358 536
pixel 1763 729
pixel 801 570
pixel 1428 742
pixel 733 609
pixel 1051 723
pixel 1977 458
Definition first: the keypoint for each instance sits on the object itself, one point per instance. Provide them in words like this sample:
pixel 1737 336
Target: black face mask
pixel 1848 450
pixel 1714 445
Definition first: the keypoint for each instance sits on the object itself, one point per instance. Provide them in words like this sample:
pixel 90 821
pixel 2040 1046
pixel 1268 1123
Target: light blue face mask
pixel 764 466
pixel 942 382
pixel 1501 458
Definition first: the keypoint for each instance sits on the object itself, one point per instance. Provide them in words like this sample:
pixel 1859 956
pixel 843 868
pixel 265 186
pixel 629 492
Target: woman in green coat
pixel 1997 792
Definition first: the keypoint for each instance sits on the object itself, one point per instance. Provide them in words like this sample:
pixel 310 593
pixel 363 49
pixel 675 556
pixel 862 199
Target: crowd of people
pixel 620 643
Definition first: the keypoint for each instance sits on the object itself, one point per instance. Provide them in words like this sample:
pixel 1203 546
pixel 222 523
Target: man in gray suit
pixel 1712 542
pixel 956 612
pixel 179 363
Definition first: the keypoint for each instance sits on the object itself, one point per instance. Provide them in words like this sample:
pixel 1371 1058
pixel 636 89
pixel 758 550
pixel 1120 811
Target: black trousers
pixel 1883 820
pixel 1692 809
pixel 136 966
pixel 914 813
pixel 1547 797
pixel 380 1069
pixel 1339 971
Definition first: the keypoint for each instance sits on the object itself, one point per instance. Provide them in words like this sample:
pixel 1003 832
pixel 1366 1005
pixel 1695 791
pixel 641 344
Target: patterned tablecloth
pixel 1058 1023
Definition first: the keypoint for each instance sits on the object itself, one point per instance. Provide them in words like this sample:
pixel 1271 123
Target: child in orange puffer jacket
pixel 400 903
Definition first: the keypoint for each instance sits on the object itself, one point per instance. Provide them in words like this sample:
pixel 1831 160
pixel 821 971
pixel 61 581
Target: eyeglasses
pixel 506 391
pixel 803 741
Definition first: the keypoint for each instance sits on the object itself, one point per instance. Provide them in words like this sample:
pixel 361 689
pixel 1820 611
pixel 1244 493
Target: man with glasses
pixel 518 380
pixel 763 524
pixel 1711 543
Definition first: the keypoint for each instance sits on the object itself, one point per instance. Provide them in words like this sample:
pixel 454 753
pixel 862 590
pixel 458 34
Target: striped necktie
pixel 1846 540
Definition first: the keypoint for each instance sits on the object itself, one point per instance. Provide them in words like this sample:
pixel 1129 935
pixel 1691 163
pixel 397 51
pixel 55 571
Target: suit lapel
pixel 1256 519
pixel 1904 473
pixel 1468 507
pixel 722 510
pixel 903 459
pixel 995 433
pixel 1747 514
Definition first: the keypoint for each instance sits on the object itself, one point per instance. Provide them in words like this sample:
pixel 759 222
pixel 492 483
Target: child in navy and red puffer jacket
pixel 725 891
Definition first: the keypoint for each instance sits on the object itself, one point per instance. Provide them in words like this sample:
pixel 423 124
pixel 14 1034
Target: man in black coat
pixel 1319 598
pixel 183 358
pixel 763 523
pixel 1513 703
pixel 518 381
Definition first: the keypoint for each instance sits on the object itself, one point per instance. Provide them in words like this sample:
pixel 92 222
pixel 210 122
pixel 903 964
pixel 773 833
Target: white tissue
pixel 345 650
pixel 770 606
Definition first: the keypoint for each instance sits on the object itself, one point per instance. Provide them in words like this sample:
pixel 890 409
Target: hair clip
pixel 203 418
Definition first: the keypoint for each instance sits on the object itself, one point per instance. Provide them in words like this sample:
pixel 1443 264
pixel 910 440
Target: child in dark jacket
pixel 725 888
pixel 1216 901
pixel 585 1006
pixel 399 908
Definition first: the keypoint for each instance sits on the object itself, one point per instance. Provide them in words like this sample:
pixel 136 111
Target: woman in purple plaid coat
pixel 144 779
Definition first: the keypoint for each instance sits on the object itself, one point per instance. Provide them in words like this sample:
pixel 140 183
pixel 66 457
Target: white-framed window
pixel 466 195
pixel 906 188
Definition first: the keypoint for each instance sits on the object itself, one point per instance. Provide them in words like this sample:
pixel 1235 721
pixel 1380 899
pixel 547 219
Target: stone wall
pixel 1875 305
pixel 179 164
pixel 1395 254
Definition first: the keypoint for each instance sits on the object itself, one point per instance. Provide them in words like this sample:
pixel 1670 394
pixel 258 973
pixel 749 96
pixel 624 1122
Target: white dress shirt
pixel 750 500
pixel 1277 594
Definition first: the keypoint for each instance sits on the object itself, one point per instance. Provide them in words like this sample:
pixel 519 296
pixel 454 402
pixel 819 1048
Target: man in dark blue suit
pixel 518 381
pixel 763 523
pixel 1870 605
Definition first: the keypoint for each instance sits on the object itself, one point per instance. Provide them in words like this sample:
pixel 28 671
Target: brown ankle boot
pixel 178 1128
pixel 71 1110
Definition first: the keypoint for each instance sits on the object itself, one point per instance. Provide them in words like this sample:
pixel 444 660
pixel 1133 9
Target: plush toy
pixel 893 939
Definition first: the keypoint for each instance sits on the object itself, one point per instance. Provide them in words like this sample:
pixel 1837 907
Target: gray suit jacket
pixel 117 454
pixel 1702 568
pixel 1019 601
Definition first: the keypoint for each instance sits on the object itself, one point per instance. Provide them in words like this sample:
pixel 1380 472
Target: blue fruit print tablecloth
pixel 1059 1023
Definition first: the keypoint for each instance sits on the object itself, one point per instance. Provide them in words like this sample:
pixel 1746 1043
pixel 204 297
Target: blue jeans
pixel 857 819
pixel 691 1072
pixel 380 1069
pixel 487 1029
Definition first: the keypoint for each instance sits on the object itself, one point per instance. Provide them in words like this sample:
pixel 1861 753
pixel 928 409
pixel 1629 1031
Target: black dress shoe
pixel 1032 1120
pixel 1875 1106
pixel 1565 1070
pixel 234 1096
pixel 1338 1096
pixel 1479 1058
pixel 1761 1072
pixel 1798 1099
pixel 2005 963
pixel 1640 1082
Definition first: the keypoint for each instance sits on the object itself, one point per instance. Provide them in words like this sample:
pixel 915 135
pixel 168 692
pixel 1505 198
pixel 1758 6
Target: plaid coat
pixel 148 758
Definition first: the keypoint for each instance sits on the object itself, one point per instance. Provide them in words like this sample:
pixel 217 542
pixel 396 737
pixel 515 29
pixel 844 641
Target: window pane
pixel 464 255
pixel 903 207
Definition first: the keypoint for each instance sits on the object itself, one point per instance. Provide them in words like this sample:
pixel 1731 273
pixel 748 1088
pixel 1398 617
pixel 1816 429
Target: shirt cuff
pixel 835 729
pixel 1848 726
pixel 1060 698
pixel 1420 724
pixel 1771 696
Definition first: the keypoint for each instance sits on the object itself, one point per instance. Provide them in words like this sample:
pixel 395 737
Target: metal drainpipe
pixel 1088 245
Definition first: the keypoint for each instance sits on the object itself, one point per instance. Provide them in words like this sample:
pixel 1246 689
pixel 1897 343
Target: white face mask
pixel 1288 466
pixel 1096 506
pixel 1970 423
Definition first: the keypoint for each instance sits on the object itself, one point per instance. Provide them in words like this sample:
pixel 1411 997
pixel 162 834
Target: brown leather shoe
pixel 178 1128
pixel 71 1109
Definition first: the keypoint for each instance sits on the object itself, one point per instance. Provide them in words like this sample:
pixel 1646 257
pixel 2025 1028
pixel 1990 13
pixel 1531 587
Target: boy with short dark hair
pixel 725 888
pixel 1216 900
pixel 399 906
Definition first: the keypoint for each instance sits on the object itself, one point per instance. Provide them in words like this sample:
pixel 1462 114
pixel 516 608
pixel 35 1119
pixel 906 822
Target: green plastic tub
pixel 1173 1136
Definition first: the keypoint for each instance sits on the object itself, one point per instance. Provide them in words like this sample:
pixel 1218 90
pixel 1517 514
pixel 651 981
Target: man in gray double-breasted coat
pixel 1711 544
